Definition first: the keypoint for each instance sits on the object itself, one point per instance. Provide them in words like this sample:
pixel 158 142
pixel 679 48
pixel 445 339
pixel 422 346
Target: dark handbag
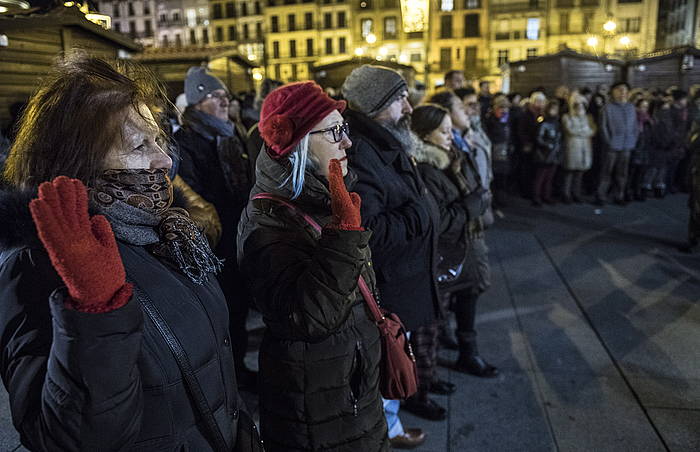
pixel 398 377
pixel 247 438
pixel 451 264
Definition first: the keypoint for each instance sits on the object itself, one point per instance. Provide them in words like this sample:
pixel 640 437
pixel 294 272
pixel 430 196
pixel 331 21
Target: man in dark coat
pixel 396 205
pixel 215 163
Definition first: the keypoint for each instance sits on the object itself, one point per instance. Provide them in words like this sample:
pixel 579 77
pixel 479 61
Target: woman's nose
pixel 161 160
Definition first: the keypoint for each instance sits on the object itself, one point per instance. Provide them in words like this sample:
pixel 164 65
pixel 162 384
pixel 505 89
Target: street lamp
pixel 610 26
pixel 625 41
pixel 371 38
pixel 359 51
pixel 592 42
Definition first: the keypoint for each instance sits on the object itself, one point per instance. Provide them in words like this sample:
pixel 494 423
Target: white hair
pixel 300 160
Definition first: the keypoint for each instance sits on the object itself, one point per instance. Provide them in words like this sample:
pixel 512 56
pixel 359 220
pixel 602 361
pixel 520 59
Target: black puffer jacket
pixel 80 381
pixel 404 219
pixel 548 146
pixel 320 354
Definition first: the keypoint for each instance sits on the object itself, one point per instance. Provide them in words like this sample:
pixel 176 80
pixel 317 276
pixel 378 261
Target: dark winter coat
pixel 319 359
pixel 527 127
pixel 219 170
pixel 681 127
pixel 663 138
pixel 404 219
pixel 450 177
pixel 645 145
pixel 499 132
pixel 548 148
pixel 89 382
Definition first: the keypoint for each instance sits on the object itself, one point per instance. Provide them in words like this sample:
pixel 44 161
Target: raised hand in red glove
pixel 345 206
pixel 82 249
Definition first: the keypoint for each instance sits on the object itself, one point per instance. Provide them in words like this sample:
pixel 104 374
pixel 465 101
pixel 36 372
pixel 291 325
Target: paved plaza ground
pixel 593 318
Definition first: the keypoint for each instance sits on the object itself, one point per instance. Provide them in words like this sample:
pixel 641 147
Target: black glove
pixel 476 203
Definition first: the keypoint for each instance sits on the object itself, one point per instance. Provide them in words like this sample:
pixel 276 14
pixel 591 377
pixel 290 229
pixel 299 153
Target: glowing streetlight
pixel 359 51
pixel 3 9
pixel 625 41
pixel 592 41
pixel 252 56
pixel 383 51
pixel 371 38
pixel 257 76
pixel 610 26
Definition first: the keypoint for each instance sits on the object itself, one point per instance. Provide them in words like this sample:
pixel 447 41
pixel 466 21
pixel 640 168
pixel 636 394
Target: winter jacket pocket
pixel 356 377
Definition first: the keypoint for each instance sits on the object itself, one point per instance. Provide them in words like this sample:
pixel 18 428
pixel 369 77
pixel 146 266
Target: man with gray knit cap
pixel 399 210
pixel 215 164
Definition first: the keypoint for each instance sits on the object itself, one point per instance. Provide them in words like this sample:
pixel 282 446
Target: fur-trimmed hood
pixel 17 229
pixel 425 152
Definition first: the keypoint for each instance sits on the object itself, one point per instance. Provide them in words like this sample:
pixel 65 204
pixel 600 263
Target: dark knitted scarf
pixel 137 204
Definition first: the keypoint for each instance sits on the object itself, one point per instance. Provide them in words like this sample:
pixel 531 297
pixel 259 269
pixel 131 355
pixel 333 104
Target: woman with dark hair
pixel 453 178
pixel 547 154
pixel 103 281
pixel 306 256
pixel 640 157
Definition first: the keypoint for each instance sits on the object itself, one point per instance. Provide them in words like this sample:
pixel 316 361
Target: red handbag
pixel 398 377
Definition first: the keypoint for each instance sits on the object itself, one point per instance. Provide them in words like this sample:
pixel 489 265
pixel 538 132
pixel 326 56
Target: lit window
pixel 533 29
pixel 366 27
pixel 447 5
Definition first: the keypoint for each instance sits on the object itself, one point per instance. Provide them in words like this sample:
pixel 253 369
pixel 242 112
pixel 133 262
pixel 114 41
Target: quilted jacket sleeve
pixel 71 376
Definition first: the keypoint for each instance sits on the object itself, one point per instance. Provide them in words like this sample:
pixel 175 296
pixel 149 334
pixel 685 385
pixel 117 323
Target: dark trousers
pixel 424 342
pixel 464 307
pixel 614 163
pixel 544 178
pixel 636 180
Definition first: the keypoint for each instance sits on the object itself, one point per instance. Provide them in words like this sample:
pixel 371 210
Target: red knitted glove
pixel 82 249
pixel 345 206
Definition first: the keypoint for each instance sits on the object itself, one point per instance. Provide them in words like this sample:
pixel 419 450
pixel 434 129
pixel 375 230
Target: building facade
pixel 239 23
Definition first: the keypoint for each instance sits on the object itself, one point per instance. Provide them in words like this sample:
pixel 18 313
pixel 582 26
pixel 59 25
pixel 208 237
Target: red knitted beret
pixel 290 112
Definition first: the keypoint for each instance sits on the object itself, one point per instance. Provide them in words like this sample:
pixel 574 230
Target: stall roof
pixel 359 61
pixel 667 53
pixel 568 54
pixel 190 53
pixel 61 15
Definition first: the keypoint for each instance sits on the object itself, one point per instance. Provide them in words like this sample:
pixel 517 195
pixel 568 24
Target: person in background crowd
pixel 694 199
pixel 677 165
pixel 454 79
pixel 588 95
pixel 485 97
pixel 655 176
pixel 234 115
pixel 563 94
pixel 618 130
pixel 694 108
pixel 16 110
pixel 498 128
pixel 579 129
pixel 479 144
pixel 402 215
pixel 528 125
pixel 215 163
pixel 416 94
pixel 84 365
pixel 319 359
pixel 547 154
pixel 640 158
pixel 460 296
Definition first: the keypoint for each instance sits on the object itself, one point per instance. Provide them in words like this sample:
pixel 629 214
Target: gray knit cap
pixel 199 83
pixel 370 89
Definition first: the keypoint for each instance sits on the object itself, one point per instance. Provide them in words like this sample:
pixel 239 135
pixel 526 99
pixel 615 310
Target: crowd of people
pixel 131 252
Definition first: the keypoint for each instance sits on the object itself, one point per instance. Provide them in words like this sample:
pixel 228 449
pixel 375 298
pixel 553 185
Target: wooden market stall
pixel 333 75
pixel 678 67
pixel 31 40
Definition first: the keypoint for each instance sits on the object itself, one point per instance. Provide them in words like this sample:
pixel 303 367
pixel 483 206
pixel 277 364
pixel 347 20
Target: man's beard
pixel 401 130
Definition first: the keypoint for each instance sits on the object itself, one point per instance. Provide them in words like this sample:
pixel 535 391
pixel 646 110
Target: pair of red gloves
pixel 84 252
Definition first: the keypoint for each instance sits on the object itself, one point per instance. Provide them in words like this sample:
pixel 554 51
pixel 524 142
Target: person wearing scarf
pixel 215 164
pixel 89 235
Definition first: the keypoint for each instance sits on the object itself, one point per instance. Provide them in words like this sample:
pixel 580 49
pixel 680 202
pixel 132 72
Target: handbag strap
pixel 211 428
pixel 364 287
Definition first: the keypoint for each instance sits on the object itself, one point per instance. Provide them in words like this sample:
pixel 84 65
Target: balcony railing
pixel 513 7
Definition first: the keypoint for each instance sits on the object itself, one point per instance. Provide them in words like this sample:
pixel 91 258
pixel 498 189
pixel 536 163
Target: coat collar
pixel 363 127
pixel 425 152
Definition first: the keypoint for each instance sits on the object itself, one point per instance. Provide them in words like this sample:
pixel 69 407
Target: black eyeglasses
pixel 337 131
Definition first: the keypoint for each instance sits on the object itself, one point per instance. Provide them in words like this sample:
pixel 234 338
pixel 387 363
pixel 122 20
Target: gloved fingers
pixel 102 231
pixel 50 232
pixel 356 200
pixel 48 196
pixel 336 184
pixel 81 203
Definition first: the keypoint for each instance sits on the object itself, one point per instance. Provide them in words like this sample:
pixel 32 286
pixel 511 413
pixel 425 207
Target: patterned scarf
pixel 137 203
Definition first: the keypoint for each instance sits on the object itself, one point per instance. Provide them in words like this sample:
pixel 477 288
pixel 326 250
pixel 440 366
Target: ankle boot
pixel 470 362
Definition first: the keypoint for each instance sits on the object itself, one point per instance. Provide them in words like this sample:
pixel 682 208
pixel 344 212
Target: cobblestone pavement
pixel 593 318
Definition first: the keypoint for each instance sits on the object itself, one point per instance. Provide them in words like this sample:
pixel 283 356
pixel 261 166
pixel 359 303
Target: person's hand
pixel 83 250
pixel 476 203
pixel 345 206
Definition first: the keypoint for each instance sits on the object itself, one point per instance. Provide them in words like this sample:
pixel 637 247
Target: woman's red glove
pixel 345 206
pixel 82 249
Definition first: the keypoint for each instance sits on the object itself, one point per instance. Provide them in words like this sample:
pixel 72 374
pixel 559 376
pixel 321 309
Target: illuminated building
pixel 299 34
pixel 239 23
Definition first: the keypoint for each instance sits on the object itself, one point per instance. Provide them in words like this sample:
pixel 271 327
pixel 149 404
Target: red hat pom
pixel 278 131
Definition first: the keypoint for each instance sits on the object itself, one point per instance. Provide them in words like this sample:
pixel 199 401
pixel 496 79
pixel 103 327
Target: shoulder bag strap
pixel 364 288
pixel 211 428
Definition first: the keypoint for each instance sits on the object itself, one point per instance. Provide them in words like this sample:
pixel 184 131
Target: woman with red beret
pixel 302 249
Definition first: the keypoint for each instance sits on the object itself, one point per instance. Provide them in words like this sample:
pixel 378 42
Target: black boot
pixel 470 362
